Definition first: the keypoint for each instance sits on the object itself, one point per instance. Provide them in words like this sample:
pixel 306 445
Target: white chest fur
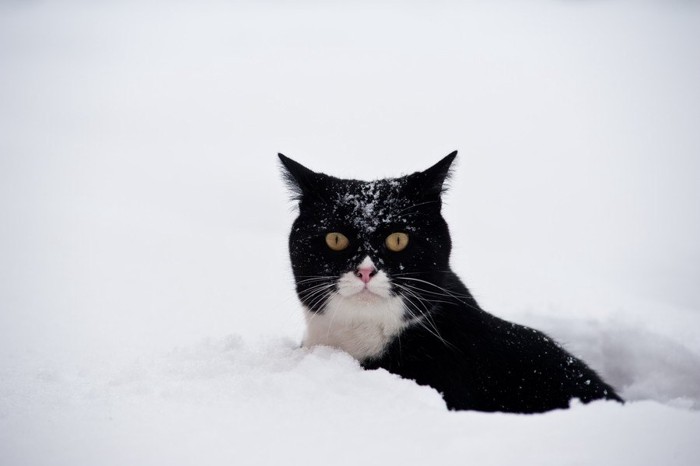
pixel 359 325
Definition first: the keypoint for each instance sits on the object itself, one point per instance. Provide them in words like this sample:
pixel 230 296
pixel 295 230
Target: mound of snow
pixel 640 363
pixel 229 402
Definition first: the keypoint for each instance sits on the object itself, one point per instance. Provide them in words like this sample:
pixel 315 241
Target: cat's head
pixel 367 241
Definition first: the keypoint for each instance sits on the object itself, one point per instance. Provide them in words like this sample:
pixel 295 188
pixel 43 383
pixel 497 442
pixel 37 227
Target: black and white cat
pixel 371 264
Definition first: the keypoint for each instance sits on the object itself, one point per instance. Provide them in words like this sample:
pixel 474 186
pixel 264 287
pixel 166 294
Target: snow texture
pixel 377 204
pixel 147 308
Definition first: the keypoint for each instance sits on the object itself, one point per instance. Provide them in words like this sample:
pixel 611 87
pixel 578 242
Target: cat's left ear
pixel 300 180
pixel 433 179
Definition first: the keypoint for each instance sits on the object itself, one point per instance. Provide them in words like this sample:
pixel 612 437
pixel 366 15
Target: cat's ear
pixel 299 179
pixel 433 180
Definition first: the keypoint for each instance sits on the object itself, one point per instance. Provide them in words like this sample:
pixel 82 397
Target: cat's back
pixel 478 361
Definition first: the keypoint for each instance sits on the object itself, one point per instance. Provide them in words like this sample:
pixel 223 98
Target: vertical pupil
pixel 398 240
pixel 336 239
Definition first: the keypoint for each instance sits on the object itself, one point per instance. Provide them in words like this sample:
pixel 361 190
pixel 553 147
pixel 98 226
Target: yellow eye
pixel 337 241
pixel 397 241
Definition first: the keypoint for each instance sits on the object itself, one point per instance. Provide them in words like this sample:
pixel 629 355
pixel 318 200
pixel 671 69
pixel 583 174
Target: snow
pixel 367 212
pixel 268 401
pixel 147 308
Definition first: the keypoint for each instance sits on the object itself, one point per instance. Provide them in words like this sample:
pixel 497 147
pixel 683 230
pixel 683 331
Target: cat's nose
pixel 366 273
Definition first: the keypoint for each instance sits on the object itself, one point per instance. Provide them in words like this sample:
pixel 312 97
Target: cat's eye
pixel 397 241
pixel 337 241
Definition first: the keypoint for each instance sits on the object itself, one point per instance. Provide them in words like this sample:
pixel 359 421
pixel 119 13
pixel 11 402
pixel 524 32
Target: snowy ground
pixel 147 313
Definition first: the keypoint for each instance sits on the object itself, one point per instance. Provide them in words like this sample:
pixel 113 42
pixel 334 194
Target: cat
pixel 371 262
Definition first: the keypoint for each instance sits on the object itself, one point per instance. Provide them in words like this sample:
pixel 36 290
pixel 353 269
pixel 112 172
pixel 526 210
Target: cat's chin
pixel 366 296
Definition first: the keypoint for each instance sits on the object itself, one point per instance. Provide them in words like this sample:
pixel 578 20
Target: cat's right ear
pixel 300 180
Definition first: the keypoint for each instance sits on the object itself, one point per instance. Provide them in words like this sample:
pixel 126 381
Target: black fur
pixel 476 360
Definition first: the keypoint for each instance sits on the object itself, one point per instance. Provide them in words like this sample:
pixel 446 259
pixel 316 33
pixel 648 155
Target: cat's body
pixel 371 263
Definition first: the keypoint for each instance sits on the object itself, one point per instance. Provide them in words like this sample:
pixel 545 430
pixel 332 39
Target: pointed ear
pixel 300 180
pixel 433 179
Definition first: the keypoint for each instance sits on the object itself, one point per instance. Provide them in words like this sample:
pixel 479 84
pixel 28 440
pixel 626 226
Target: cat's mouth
pixel 366 283
pixel 364 292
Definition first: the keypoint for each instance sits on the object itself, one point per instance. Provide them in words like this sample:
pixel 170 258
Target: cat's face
pixel 367 242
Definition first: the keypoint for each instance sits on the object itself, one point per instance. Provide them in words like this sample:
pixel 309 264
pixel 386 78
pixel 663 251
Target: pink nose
pixel 366 273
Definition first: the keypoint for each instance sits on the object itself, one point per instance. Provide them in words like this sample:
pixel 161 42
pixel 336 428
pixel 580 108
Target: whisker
pixel 330 324
pixel 310 297
pixel 317 297
pixel 414 206
pixel 401 274
pixel 419 320
pixel 312 289
pixel 433 293
pixel 320 298
pixel 417 288
pixel 427 312
pixel 317 276
pixel 455 295
pixel 316 279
